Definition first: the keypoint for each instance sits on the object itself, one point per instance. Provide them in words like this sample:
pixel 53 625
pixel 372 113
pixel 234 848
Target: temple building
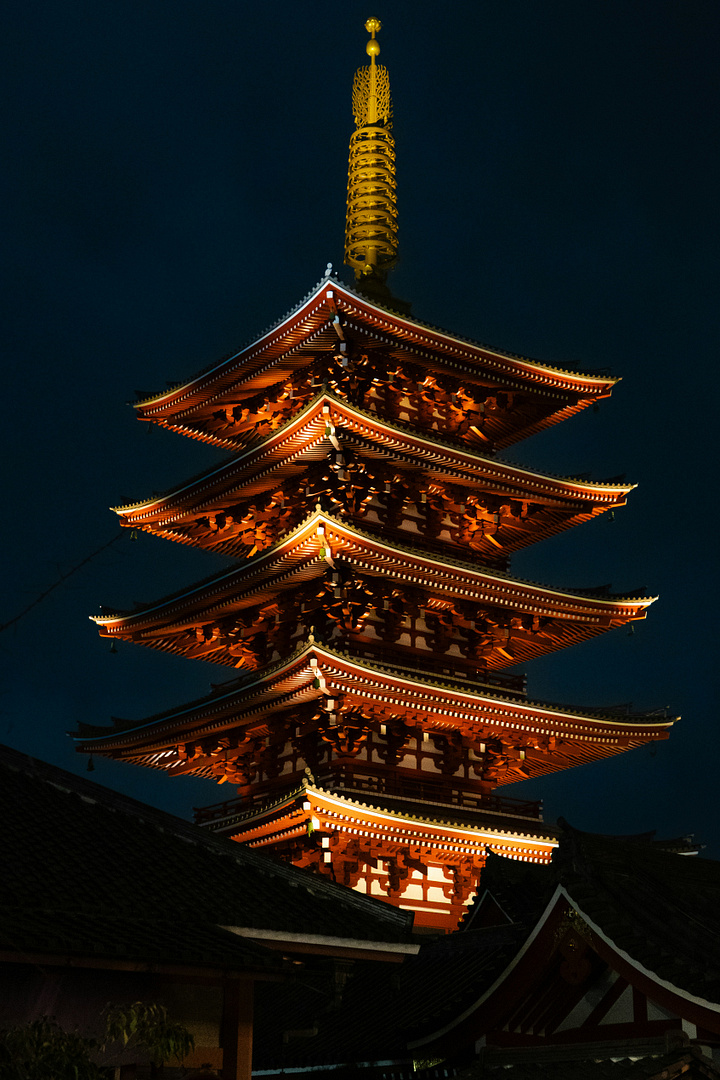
pixel 371 614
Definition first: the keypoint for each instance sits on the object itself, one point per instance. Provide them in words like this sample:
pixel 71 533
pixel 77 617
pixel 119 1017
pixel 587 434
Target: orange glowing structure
pixel 371 611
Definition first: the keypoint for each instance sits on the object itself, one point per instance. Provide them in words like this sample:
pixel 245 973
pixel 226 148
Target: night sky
pixel 176 182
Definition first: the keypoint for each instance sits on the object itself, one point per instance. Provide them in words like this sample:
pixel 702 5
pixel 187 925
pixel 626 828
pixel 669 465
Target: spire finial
pixel 371 224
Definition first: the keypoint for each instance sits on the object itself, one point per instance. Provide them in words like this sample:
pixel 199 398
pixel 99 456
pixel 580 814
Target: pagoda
pixel 370 613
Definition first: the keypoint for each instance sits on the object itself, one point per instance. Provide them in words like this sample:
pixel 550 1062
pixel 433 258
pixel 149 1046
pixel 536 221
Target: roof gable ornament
pixel 371 245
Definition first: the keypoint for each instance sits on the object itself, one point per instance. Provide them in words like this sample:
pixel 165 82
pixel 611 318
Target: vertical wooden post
pixel 237 1029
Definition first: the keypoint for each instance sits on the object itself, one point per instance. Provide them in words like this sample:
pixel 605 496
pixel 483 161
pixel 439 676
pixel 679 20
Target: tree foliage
pixel 42 1050
pixel 146 1025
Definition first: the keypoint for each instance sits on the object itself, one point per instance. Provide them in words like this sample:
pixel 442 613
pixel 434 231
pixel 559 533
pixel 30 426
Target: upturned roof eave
pixel 308 529
pixel 533 831
pixel 607 938
pixel 466 459
pixel 432 338
pixel 272 676
pixel 561 900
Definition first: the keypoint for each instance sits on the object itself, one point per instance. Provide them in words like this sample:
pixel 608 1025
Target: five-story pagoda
pixel 371 611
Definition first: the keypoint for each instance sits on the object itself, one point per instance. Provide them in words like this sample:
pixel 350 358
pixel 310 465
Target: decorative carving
pixel 453 754
pixel 361 94
pixel 393 741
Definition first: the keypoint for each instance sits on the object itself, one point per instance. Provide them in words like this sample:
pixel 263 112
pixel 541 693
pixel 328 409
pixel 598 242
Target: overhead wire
pixel 63 577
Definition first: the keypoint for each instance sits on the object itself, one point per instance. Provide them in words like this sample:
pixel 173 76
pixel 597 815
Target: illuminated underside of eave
pixel 332 810
pixel 318 311
pixel 438 707
pixel 255 467
pixel 162 756
pixel 301 552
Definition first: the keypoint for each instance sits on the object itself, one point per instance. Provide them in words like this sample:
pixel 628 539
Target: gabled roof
pixel 311 326
pixel 648 915
pixel 457 976
pixel 659 908
pixel 87 872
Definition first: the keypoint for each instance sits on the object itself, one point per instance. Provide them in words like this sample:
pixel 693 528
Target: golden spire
pixel 371 225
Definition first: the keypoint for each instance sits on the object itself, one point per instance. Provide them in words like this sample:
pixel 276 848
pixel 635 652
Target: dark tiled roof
pixel 86 871
pixel 520 890
pixel 686 1062
pixel 658 906
pixel 107 937
pixel 381 1008
pixel 642 897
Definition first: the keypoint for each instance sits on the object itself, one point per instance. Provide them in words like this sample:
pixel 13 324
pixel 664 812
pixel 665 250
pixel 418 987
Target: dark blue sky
pixel 176 183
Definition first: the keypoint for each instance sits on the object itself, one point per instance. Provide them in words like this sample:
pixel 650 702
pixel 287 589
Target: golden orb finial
pixel 373 47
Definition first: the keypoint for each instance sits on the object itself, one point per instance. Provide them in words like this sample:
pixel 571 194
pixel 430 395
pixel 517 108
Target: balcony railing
pixel 436 790
pixel 448 791
pixel 443 666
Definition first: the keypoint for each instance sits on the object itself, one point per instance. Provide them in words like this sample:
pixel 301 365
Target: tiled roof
pixel 223 583
pixel 450 683
pixel 686 1062
pixel 651 902
pixel 659 907
pixel 145 398
pixel 453 816
pixel 442 440
pixel 521 890
pixel 379 1008
pixel 86 871
pixel 78 936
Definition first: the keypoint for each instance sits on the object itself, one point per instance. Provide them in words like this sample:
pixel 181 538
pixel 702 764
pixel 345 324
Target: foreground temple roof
pixel 495 992
pixel 650 913
pixel 156 888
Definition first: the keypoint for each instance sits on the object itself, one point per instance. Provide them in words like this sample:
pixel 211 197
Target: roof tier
pixel 378 359
pixel 382 599
pixel 424 858
pixel 330 810
pixel 373 471
pixel 336 701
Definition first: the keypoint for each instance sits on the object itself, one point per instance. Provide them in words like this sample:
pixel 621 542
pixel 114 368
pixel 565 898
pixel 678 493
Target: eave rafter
pixel 334 312
pixel 342 817
pixel 488 505
pixel 545 738
pixel 356 587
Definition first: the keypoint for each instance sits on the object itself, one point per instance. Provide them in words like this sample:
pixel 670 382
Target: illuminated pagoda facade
pixel 370 611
